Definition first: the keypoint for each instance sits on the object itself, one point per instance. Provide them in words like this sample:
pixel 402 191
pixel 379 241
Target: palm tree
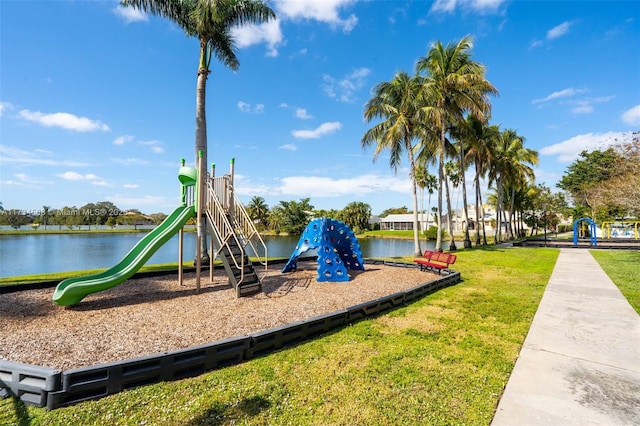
pixel 395 103
pixel 210 21
pixel 45 215
pixel 509 172
pixel 471 149
pixel 481 138
pixel 454 85
pixel 258 210
pixel 425 180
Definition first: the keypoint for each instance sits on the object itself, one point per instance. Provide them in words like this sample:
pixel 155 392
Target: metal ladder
pixel 234 233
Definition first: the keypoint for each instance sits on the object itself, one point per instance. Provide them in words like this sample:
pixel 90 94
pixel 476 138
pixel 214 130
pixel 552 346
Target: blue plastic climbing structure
pixel 580 231
pixel 337 247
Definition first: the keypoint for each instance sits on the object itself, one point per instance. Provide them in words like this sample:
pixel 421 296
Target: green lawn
pixel 623 267
pixel 445 359
pixel 442 360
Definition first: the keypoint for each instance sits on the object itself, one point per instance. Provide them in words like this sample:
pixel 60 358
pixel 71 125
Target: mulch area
pixel 149 315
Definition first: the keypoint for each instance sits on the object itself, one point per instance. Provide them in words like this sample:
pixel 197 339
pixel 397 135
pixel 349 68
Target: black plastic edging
pixel 94 382
pixel 30 383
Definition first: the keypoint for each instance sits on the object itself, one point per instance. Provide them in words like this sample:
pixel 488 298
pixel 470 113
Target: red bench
pixel 435 260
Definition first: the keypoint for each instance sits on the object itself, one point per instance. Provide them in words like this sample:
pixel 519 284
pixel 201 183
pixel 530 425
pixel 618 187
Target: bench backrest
pixel 438 256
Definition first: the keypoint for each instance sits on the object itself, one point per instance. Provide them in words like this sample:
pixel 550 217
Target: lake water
pixel 47 253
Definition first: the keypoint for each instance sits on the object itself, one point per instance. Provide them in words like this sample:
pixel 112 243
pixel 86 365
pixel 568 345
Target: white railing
pixel 230 220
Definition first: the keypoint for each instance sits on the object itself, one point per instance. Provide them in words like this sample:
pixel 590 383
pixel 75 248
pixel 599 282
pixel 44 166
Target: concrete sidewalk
pixel 580 363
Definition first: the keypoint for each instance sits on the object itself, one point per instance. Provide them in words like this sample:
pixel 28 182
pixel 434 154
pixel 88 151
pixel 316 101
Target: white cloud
pixel 5 106
pixel 569 150
pixel 268 32
pixel 131 185
pixel 322 186
pixel 13 155
pixel 23 177
pixel 586 106
pixel 553 33
pixel 131 161
pixel 327 11
pixel 121 140
pixel 632 116
pixel 155 146
pixel 64 120
pixel 26 181
pixel 582 108
pixel 75 176
pixel 559 30
pixel 302 114
pixel 560 94
pixel 130 14
pixel 323 129
pixel 288 147
pixel 344 89
pixel 535 43
pixel 480 6
pixel 246 107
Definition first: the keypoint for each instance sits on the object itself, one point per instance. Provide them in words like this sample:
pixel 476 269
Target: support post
pixel 180 252
pixel 211 244
pixel 183 201
pixel 230 188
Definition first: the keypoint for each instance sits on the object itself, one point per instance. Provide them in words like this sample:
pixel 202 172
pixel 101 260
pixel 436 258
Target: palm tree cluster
pixel 292 217
pixel 442 112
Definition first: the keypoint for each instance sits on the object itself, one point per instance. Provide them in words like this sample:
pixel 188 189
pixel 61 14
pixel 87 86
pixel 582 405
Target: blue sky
pixel 97 103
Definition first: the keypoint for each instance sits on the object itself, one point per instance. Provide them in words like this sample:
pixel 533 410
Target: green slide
pixel 73 290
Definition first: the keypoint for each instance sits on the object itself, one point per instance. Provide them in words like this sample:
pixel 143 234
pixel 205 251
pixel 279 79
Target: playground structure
pixel 337 247
pixel 584 228
pixel 231 230
pixel 621 229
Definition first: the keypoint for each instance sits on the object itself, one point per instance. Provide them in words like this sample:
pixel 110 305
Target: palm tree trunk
pixel 512 216
pixel 498 232
pixel 478 218
pixel 452 244
pixel 465 212
pixel 416 232
pixel 440 181
pixel 484 229
pixel 201 140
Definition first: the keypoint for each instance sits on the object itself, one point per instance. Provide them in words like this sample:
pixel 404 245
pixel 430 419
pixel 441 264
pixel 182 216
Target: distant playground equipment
pixel 337 248
pixel 621 229
pixel 228 224
pixel 585 227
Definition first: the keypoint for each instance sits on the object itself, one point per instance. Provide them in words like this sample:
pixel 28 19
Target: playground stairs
pixel 234 235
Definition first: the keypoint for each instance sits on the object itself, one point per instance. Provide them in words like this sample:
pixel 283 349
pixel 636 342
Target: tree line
pixel 292 217
pixel 91 214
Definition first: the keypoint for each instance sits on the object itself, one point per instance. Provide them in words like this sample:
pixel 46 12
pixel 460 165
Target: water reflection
pixel 47 253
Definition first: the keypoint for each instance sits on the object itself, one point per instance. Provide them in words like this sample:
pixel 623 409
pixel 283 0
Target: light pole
pixel 544 218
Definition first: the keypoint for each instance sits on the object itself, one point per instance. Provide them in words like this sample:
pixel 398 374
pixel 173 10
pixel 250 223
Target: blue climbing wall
pixel 337 246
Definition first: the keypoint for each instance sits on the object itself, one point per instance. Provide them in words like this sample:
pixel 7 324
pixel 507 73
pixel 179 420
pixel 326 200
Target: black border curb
pixel 42 386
